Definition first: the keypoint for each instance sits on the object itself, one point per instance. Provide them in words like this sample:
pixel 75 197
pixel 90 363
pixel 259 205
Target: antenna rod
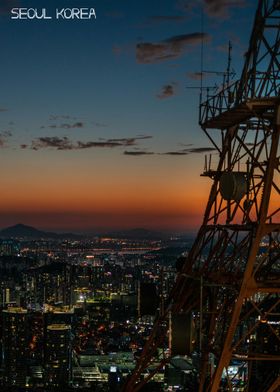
pixel 201 52
pixel 229 61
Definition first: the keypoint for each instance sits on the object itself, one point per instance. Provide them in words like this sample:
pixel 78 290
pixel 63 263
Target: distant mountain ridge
pixel 23 231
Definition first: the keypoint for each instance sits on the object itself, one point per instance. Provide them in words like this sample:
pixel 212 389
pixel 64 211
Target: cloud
pixel 200 150
pixel 78 124
pixel 174 153
pixel 195 75
pixel 123 141
pixel 129 141
pixel 108 144
pixel 186 145
pixel 64 143
pixel 173 47
pixel 183 152
pixel 214 8
pixel 4 135
pixel 99 125
pixel 61 117
pixel 138 153
pixel 167 91
pixel 54 142
pixel 220 8
pixel 187 151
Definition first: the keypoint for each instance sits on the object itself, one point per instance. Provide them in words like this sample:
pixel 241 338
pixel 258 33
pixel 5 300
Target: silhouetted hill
pixel 23 231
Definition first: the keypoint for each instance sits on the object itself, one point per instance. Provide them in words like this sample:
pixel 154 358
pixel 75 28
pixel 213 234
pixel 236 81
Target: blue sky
pixel 107 98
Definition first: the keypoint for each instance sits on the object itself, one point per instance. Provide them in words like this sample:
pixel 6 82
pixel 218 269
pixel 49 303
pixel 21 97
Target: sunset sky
pixel 98 129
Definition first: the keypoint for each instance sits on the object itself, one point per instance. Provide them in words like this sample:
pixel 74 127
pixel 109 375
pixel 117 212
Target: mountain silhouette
pixel 23 231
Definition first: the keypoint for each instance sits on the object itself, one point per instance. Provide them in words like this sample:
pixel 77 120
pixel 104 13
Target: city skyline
pixel 98 127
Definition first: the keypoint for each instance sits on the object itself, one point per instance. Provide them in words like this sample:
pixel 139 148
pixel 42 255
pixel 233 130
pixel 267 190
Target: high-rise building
pixel 49 284
pixel 57 355
pixel 9 247
pixel 15 337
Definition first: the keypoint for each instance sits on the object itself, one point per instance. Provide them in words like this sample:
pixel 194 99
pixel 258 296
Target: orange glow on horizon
pixel 153 194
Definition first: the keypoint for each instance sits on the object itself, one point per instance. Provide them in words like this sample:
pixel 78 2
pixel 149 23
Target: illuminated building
pixel 57 355
pixel 59 315
pixel 36 342
pixel 50 284
pixel 15 346
pixel 9 247
pixel 5 296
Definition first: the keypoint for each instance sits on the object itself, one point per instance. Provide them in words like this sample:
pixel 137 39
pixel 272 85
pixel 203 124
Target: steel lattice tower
pixel 230 281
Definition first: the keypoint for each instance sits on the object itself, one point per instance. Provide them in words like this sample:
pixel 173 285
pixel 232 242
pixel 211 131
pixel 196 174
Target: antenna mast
pixel 230 281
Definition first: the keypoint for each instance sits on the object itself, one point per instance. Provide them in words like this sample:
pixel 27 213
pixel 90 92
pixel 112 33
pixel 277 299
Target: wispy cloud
pixel 219 9
pixel 196 150
pixel 129 141
pixel 195 75
pixel 138 153
pixel 73 122
pixel 170 48
pixel 77 124
pixel 182 152
pixel 108 144
pixel 99 124
pixel 187 151
pixel 167 91
pixel 64 143
pixel 54 142
pixel 54 117
pixel 174 153
pixel 4 135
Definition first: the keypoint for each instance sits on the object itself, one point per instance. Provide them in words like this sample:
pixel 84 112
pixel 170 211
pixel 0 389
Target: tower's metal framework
pixel 230 280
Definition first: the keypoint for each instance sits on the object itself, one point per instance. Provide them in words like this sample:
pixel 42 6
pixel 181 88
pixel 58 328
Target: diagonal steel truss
pixel 230 280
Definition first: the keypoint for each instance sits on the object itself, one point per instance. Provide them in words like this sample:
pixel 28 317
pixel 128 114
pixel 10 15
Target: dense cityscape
pixel 75 313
